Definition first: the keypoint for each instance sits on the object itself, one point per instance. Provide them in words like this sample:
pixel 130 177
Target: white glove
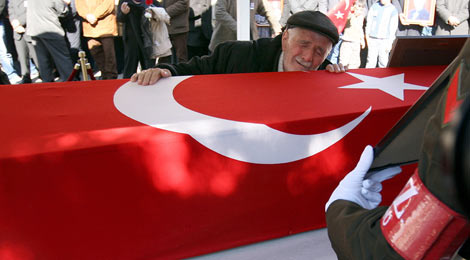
pixel 364 192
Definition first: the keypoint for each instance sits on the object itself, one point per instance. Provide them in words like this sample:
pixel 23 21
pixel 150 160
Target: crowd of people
pixel 40 40
pixel 373 25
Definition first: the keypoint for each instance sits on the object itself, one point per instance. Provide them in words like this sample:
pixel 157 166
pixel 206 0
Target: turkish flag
pixel 86 172
pixel 339 14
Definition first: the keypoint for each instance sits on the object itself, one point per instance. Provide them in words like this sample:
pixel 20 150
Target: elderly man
pixel 303 46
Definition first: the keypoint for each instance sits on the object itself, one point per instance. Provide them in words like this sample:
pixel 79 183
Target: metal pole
pixel 83 62
pixel 243 20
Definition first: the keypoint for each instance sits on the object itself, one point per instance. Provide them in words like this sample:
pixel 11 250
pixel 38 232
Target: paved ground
pixel 308 245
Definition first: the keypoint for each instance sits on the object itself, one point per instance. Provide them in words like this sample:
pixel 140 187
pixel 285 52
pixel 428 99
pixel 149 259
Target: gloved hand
pixel 363 191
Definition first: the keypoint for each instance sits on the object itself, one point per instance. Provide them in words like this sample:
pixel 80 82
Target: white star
pixel 339 15
pixel 394 85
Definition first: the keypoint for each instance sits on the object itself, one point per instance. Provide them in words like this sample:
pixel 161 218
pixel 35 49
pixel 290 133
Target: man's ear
pixel 285 38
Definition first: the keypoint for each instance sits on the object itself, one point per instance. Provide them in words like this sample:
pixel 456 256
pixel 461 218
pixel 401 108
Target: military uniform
pixel 355 232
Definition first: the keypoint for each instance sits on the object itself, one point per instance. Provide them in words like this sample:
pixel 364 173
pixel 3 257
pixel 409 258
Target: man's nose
pixel 307 56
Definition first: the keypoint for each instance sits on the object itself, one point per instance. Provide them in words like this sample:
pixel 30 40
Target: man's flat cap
pixel 315 21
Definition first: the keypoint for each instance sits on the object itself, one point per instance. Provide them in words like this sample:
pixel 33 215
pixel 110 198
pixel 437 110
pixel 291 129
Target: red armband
pixel 419 226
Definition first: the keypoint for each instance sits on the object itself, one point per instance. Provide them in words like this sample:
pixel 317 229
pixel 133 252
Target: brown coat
pixel 178 10
pixel 106 18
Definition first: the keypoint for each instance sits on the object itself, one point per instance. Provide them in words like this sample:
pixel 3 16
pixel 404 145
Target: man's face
pixel 304 50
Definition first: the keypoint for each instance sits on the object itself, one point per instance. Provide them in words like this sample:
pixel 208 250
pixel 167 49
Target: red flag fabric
pixel 91 170
pixel 339 14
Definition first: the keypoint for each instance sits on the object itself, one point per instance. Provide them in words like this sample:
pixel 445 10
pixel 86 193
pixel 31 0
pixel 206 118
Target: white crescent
pixel 248 142
pixel 347 5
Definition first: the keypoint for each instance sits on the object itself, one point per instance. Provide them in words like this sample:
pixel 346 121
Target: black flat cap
pixel 315 21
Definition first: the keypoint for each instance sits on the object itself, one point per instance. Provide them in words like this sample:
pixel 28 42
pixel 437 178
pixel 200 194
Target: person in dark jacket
pixel 200 28
pixel 136 36
pixel 178 10
pixel 303 46
pixel 72 25
pixel 428 205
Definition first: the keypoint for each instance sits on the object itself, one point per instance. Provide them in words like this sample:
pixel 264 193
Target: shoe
pixel 15 79
pixel 34 74
pixel 25 80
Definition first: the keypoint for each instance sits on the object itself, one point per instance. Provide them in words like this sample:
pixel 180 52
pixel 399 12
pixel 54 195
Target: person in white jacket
pixel 159 19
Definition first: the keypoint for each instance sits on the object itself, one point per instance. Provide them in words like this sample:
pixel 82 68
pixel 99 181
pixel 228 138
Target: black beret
pixel 315 21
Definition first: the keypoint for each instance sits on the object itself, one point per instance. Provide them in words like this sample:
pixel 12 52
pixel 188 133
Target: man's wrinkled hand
pixel 336 68
pixel 150 76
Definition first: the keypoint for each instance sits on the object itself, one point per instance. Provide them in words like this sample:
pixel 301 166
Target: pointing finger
pixel 385 174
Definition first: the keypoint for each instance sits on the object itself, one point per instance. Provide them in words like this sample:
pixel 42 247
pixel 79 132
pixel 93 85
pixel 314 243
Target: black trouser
pixel 133 55
pixel 53 52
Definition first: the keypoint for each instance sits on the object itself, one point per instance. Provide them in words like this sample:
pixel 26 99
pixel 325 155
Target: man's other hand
pixel 125 9
pixel 150 76
pixel 336 68
pixel 454 21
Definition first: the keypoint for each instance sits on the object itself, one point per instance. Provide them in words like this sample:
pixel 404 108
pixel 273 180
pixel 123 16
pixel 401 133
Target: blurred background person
pixel 23 42
pixel 381 27
pixel 452 17
pixel 404 28
pixel 159 19
pixel 72 25
pixel 226 20
pixel 200 27
pixel 291 7
pixel 100 28
pixel 5 57
pixel 42 18
pixel 333 57
pixel 136 36
pixel 178 10
pixel 353 37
